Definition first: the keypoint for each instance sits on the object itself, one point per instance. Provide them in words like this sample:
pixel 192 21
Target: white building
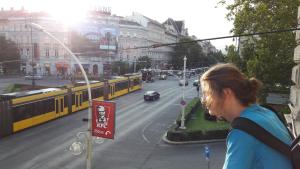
pixel 295 90
pixel 157 34
pixel 39 53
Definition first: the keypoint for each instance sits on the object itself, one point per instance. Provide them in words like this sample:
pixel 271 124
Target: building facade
pixel 295 89
pixel 117 39
pixel 38 52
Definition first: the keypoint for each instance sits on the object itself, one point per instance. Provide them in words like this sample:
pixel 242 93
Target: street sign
pixel 182 102
pixel 206 152
pixel 103 119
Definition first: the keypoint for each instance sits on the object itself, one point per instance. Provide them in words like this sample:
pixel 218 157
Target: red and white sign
pixel 103 119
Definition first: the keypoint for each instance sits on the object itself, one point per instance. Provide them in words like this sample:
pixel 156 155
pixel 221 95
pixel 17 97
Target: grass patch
pixel 198 122
pixel 12 88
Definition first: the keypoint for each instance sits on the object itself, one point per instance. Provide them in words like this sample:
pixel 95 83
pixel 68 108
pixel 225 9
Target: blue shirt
pixel 246 152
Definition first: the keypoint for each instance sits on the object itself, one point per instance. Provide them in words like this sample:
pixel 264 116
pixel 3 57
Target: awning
pixel 61 64
pixel 85 66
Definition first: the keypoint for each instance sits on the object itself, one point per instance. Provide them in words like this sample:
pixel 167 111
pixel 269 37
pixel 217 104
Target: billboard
pixel 105 35
pixel 108 38
pixel 103 119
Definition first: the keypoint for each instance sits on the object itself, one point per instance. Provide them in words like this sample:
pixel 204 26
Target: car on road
pixel 151 95
pixel 181 82
pixel 35 77
pixel 196 83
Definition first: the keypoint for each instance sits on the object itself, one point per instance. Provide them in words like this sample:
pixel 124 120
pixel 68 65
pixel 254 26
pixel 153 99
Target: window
pixel 85 96
pixel 66 101
pixel 136 82
pixel 98 92
pixel 56 52
pixel 47 52
pixel 121 86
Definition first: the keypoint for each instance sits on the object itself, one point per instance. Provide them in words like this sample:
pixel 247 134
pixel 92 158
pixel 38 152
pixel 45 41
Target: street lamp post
pixel 182 125
pixel 32 55
pixel 89 135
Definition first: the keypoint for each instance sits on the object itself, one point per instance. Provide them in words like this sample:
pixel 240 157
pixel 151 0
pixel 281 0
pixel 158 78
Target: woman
pixel 228 94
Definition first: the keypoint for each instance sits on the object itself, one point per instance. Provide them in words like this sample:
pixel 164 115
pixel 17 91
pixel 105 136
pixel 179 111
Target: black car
pixel 151 95
pixel 196 83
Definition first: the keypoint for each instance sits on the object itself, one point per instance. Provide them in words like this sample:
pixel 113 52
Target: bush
pixel 189 109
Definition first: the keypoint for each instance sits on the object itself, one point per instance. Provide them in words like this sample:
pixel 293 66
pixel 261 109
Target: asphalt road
pixel 137 145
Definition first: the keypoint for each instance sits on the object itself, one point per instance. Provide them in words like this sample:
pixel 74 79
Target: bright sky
pixel 203 18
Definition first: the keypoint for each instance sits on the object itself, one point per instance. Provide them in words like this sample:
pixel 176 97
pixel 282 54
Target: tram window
pixel 66 101
pixel 56 106
pixel 48 105
pixel 61 105
pixel 51 103
pixel 136 82
pixel 21 112
pixel 97 92
pixel 73 99
pixel 121 86
pixel 85 96
pixel 101 92
pixel 37 108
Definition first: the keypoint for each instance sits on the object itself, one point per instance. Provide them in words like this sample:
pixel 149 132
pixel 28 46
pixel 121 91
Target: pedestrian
pixel 227 93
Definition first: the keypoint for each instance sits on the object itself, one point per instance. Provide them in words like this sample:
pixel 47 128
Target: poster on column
pixel 103 119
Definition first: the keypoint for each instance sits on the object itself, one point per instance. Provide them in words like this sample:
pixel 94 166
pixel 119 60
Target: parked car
pixel 151 95
pixel 181 82
pixel 35 77
pixel 196 83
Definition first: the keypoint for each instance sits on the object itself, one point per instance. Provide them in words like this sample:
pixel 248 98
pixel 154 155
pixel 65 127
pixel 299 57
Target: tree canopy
pixel 9 56
pixel 143 62
pixel 194 53
pixel 267 57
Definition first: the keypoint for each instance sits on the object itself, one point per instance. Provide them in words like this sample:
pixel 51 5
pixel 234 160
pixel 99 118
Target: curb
pixel 164 138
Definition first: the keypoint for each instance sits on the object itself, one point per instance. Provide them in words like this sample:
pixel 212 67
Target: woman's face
pixel 212 101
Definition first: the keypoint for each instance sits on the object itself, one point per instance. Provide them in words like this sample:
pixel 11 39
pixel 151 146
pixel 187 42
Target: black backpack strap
pixel 261 134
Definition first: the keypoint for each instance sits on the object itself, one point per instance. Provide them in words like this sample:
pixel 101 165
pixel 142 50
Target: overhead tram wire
pixel 215 38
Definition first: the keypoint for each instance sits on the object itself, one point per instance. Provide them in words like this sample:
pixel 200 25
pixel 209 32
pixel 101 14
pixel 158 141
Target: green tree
pixel 192 50
pixel 9 56
pixel 120 67
pixel 234 57
pixel 218 56
pixel 143 62
pixel 267 57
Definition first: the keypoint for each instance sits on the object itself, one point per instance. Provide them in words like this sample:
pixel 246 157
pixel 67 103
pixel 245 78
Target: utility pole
pixel 88 134
pixel 183 103
pixel 134 66
pixel 32 55
pixel 108 39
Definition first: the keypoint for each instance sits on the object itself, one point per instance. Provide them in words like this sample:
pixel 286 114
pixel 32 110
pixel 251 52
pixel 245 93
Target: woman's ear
pixel 227 93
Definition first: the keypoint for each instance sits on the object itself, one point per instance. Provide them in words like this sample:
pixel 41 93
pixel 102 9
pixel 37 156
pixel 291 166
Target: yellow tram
pixel 21 110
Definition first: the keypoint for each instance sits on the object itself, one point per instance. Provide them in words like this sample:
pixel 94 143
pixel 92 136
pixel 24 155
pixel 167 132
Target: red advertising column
pixel 103 119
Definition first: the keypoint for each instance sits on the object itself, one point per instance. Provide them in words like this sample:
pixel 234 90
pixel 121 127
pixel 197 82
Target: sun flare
pixel 68 12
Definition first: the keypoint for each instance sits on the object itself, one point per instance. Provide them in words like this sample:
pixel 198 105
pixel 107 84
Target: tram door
pixel 59 106
pixel 112 88
pixel 78 100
